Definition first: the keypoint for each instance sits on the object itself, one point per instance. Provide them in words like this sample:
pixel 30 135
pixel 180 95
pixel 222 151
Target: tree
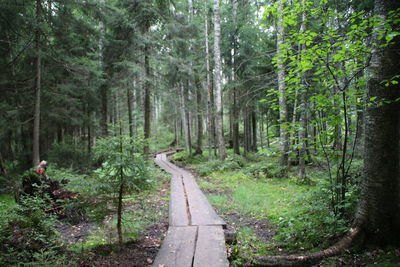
pixel 38 77
pixel 123 170
pixel 281 85
pixel 218 82
pixel 379 210
pixel 210 94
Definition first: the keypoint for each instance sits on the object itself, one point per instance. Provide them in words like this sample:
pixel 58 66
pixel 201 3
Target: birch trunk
pixel 218 82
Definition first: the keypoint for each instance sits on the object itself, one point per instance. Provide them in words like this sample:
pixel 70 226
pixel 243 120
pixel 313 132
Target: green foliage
pixel 7 203
pixel 267 170
pixel 27 234
pixel 122 164
pixel 69 155
pixel 232 162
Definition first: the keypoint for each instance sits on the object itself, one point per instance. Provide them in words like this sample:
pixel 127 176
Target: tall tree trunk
pixel 379 210
pixel 254 131
pixel 38 77
pixel 210 117
pixel 185 118
pixel 147 101
pixel 303 111
pixel 235 108
pixel 235 123
pixel 3 171
pixel 282 86
pixel 130 110
pixel 199 146
pixel 219 124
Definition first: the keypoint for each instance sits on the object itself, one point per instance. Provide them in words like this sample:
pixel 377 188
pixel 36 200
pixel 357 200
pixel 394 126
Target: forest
pixel 282 115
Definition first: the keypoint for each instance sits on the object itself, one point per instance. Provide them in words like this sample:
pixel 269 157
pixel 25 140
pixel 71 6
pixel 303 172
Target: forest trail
pixel 195 236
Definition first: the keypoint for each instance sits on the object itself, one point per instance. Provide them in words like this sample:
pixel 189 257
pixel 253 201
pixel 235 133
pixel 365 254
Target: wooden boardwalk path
pixel 195 235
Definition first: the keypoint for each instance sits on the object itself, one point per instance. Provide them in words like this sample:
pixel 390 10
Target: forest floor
pixel 140 248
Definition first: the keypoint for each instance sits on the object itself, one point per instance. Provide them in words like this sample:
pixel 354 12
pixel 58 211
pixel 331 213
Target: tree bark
pixel 284 142
pixel 219 124
pixel 38 77
pixel 130 110
pixel 380 204
pixel 235 108
pixel 199 147
pixel 303 111
pixel 185 119
pixel 210 117
pixel 235 123
pixel 254 131
pixel 147 102
pixel 3 171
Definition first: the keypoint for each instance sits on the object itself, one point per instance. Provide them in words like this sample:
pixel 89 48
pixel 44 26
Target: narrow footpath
pixel 195 234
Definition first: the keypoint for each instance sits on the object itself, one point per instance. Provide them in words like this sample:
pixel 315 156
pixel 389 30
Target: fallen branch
pixel 290 260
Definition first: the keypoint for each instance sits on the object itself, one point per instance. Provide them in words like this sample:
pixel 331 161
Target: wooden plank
pixel 177 204
pixel 177 248
pixel 210 247
pixel 201 211
pixel 162 161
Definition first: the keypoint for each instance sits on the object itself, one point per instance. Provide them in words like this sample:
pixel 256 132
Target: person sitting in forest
pixel 41 169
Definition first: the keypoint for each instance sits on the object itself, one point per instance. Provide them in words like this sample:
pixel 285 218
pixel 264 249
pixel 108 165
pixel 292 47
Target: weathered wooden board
pixel 177 249
pixel 177 203
pixel 210 247
pixel 201 211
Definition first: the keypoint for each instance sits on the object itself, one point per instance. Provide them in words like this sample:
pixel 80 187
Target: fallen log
pixel 291 260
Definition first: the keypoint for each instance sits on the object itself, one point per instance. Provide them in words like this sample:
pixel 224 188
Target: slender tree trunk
pixel 254 131
pixel 267 126
pixel 379 210
pixel 38 77
pixel 303 111
pixel 3 171
pixel 130 110
pixel 210 117
pixel 119 211
pixel 235 124
pixel 185 119
pixel 89 131
pixel 218 82
pixel 147 100
pixel 199 149
pixel 282 86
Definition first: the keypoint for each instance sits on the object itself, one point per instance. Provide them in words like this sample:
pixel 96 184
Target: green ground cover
pixel 7 202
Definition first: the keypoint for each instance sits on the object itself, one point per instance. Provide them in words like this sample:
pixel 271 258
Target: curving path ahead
pixel 195 235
